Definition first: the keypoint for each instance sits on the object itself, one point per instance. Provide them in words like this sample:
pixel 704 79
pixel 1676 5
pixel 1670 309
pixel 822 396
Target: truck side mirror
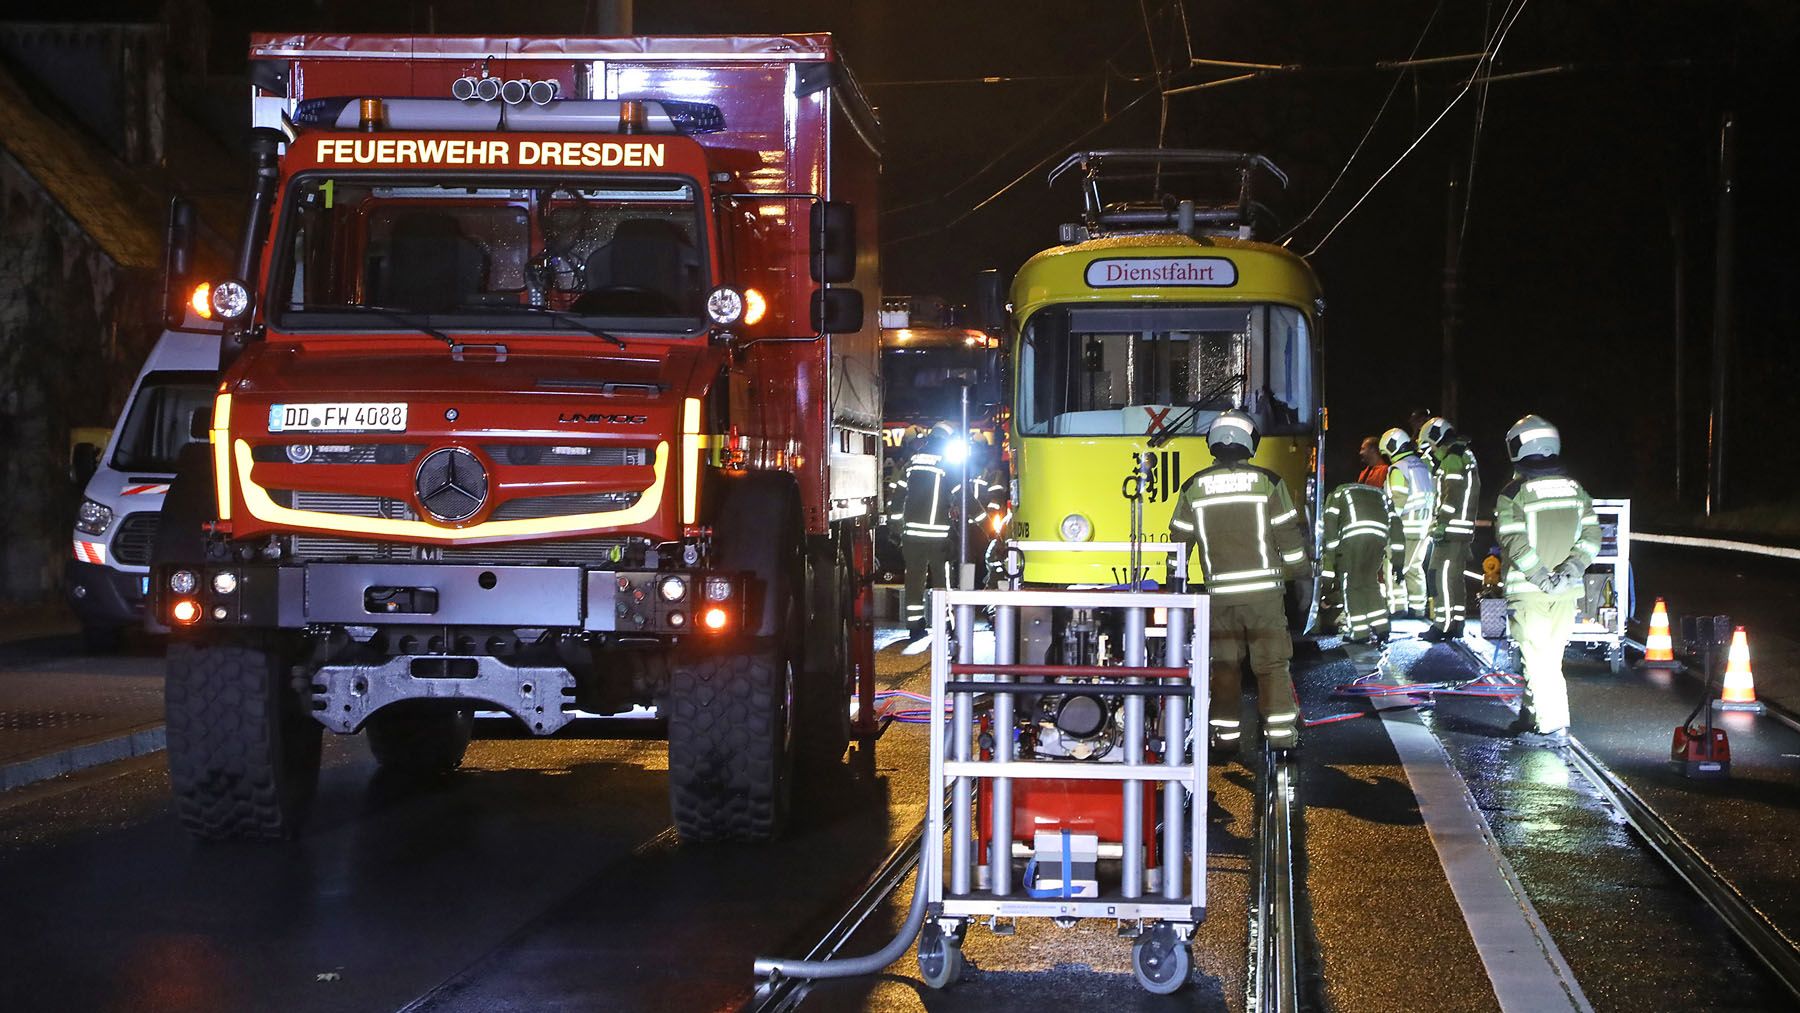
pixel 837 311
pixel 833 231
pixel 178 258
pixel 990 301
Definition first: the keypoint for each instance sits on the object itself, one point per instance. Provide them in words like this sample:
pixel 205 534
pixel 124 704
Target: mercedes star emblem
pixel 452 484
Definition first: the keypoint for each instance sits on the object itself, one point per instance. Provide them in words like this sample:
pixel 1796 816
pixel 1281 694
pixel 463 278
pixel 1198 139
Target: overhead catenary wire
pixel 1411 60
pixel 1491 53
pixel 1021 177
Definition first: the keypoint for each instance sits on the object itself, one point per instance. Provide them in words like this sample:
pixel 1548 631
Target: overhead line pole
pixel 1723 277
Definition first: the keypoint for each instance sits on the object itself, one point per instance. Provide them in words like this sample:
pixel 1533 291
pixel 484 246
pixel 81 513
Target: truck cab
pixel 549 391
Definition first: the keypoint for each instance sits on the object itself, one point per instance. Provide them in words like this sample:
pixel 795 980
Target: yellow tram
pixel 1131 336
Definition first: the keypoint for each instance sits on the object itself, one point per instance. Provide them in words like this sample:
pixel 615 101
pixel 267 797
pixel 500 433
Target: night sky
pixel 1579 173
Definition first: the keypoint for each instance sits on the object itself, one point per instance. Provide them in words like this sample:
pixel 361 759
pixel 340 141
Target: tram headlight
pixel 1076 528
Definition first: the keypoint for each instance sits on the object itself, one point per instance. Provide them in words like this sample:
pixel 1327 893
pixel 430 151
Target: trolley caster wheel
pixel 1161 961
pixel 940 958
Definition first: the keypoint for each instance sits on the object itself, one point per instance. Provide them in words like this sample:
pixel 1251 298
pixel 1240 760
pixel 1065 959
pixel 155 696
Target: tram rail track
pixel 1273 984
pixel 1778 954
pixel 1772 948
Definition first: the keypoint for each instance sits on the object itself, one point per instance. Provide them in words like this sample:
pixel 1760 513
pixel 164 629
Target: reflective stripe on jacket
pixel 1458 492
pixel 1409 490
pixel 1243 525
pixel 930 493
pixel 1356 511
pixel 1544 518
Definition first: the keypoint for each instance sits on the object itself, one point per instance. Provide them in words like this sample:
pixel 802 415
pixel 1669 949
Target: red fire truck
pixel 549 390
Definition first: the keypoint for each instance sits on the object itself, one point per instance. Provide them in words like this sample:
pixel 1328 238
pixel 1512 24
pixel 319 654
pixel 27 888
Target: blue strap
pixel 1067 889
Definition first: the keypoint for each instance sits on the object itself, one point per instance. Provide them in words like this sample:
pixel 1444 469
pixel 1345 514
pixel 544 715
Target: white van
pixel 115 528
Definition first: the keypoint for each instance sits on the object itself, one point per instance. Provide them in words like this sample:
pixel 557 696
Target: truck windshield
pixel 1131 370
pixel 920 382
pixel 611 253
pixel 159 420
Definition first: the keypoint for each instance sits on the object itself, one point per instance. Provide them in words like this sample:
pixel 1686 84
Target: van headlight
pixel 1076 528
pixel 93 518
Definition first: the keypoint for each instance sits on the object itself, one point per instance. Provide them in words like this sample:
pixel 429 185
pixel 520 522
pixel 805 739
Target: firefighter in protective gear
pixel 1548 535
pixel 1360 533
pixel 931 488
pixel 1409 491
pixel 1457 490
pixel 1241 523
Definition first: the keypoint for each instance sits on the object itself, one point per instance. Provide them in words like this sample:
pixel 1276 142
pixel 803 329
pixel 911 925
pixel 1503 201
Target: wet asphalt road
pixel 543 877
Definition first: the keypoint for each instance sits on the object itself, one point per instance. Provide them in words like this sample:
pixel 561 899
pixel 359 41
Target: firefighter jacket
pixel 1409 490
pixel 931 491
pixel 1354 513
pixel 1457 490
pixel 1242 524
pixel 1544 519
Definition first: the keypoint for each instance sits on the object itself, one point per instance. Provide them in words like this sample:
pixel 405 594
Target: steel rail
pixel 1274 985
pixel 1772 947
pixel 784 993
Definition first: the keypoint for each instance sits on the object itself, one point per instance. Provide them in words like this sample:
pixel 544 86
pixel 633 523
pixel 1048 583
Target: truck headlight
pixel 725 305
pixel 225 582
pixel 718 588
pixel 230 299
pixel 93 518
pixel 183 582
pixel 1076 528
pixel 672 589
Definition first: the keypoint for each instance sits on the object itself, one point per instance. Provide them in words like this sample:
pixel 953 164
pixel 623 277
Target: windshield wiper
pixel 1168 430
pixel 407 317
pixel 563 316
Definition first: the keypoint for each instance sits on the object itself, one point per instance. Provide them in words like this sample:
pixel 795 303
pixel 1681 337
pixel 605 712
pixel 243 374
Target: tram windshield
pixel 1133 370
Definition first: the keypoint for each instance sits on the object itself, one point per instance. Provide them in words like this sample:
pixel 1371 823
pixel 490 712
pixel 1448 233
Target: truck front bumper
pixel 305 595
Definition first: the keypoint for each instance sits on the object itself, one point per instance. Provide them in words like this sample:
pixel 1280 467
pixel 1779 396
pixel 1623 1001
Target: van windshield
pixel 378 254
pixel 160 420
pixel 1132 370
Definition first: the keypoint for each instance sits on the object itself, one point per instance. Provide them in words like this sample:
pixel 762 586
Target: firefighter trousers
pixel 1256 630
pixel 1540 625
pixel 927 566
pixel 1359 566
pixel 1407 593
pixel 1449 584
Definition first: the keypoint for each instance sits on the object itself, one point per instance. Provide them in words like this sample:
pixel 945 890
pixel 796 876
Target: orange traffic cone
pixel 1740 687
pixel 1659 648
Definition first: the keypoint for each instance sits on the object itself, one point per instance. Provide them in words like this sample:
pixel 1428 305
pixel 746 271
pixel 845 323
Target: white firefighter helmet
pixel 1393 442
pixel 1232 428
pixel 1436 432
pixel 1533 436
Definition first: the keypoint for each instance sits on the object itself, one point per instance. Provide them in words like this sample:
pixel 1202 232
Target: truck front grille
pixel 574 552
pixel 136 537
pixel 564 506
pixel 346 504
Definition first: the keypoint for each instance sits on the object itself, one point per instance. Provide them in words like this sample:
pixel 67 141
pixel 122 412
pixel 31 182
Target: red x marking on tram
pixel 1156 419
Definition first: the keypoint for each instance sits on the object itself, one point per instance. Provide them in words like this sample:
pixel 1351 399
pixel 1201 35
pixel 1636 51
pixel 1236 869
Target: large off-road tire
pixel 729 745
pixel 243 753
pixel 420 740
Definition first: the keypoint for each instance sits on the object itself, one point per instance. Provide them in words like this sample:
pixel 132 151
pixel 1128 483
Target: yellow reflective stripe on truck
pixel 263 508
pixel 691 445
pixel 221 444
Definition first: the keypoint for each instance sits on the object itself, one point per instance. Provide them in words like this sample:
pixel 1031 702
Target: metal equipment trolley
pixel 1166 899
pixel 1605 602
